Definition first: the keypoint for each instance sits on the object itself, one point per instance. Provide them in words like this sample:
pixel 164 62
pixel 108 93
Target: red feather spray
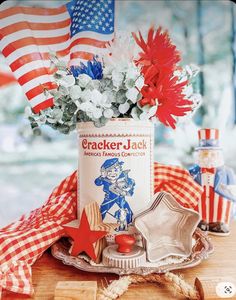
pixel 158 61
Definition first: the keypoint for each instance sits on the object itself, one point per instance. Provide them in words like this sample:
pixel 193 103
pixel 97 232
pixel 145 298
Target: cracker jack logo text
pixel 108 145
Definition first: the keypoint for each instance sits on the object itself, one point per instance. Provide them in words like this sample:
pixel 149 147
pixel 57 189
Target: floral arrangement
pixel 128 83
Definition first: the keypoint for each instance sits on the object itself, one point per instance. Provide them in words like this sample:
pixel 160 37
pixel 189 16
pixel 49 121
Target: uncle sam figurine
pixel 218 182
pixel 116 185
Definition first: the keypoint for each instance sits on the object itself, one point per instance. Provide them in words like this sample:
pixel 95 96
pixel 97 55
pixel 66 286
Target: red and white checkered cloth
pixel 24 241
pixel 177 181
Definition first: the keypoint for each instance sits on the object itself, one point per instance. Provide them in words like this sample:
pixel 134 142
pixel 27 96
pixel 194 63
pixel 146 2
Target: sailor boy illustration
pixel 116 185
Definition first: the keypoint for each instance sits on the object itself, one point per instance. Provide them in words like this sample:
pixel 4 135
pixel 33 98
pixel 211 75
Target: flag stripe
pixel 34 19
pixel 31 66
pixel 39 89
pixel 34 56
pixel 33 74
pixel 43 104
pixel 41 80
pixel 20 26
pixel 32 11
pixel 77 61
pixel 58 41
pixel 39 98
pixel 26 59
pixel 35 35
pixel 62 48
pixel 93 35
pixel 88 48
pixel 89 41
pixel 83 55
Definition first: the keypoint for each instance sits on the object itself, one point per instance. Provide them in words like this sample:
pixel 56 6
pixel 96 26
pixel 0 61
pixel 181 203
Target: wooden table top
pixel 47 271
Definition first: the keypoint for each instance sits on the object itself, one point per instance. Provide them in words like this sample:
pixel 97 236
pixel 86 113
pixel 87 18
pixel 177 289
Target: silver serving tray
pixel 201 250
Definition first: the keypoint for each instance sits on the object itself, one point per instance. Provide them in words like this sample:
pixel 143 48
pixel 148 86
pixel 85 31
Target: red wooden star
pixel 84 237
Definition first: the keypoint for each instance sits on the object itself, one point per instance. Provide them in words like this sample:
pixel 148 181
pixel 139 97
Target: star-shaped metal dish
pixel 167 227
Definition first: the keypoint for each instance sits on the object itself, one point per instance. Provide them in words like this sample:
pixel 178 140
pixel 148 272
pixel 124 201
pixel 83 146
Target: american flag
pixel 76 31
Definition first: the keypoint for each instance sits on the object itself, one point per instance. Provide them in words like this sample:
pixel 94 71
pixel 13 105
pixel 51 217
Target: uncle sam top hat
pixel 208 139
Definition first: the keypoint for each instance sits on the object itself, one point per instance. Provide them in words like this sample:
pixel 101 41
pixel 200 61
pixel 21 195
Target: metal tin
pixel 167 228
pixel 116 168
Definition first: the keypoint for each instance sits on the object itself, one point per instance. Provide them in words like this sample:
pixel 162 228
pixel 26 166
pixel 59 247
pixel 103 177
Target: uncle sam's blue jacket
pixel 224 176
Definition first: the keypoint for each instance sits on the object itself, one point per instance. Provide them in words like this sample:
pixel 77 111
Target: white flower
pixel 188 90
pixel 84 80
pixel 90 109
pixel 116 112
pixel 97 113
pixel 66 81
pixel 63 90
pixel 178 73
pixel 132 72
pixel 129 83
pixel 96 97
pixel 107 71
pixel 57 113
pixel 149 111
pixel 41 119
pixel 197 100
pixel 105 102
pixel 144 116
pixel 192 70
pixel 94 85
pixel 51 120
pixel 86 106
pixel 188 70
pixel 62 65
pixel 123 108
pixel 152 111
pixel 108 113
pixel 75 92
pixel 111 96
pixel 139 83
pixel 132 94
pixel 86 96
pixel 100 99
pixel 122 50
pixel 135 113
pixel 77 103
pixel 62 73
pixel 117 78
